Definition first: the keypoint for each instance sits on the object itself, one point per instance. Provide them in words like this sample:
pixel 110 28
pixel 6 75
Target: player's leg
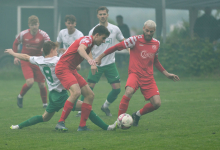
pixel 39 78
pixel 92 80
pixel 151 93
pixel 113 78
pixel 34 120
pixel 95 118
pixel 29 77
pixel 131 86
pixel 86 106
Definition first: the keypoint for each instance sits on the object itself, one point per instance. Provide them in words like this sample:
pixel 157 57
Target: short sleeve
pixel 59 37
pixel 87 41
pixel 119 35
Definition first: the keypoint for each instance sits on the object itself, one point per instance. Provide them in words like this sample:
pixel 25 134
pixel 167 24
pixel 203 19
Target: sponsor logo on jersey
pixel 145 54
pixel 26 39
pixel 141 45
pixel 154 47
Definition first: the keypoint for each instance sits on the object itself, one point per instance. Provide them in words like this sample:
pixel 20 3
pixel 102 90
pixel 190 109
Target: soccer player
pixel 32 41
pixel 58 94
pixel 69 35
pixel 143 55
pixel 66 72
pixel 108 66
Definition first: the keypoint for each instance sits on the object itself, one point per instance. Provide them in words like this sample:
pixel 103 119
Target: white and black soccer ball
pixel 124 121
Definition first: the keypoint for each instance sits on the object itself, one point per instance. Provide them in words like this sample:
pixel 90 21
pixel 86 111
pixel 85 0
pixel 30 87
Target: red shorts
pixel 32 71
pixel 69 77
pixel 148 87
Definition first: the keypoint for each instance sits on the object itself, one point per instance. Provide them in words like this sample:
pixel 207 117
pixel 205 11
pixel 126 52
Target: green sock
pixel 97 121
pixel 113 95
pixel 82 97
pixel 31 121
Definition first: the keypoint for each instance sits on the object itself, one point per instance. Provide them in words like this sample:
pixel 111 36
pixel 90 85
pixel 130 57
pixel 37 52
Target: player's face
pixel 148 33
pixel 99 39
pixel 34 27
pixel 70 25
pixel 102 16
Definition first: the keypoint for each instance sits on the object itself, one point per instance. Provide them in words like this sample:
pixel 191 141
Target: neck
pixel 50 55
pixel 33 33
pixel 71 31
pixel 104 24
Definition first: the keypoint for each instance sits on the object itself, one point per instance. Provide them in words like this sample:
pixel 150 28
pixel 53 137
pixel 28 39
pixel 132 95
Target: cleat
pixel 136 119
pixel 20 102
pixel 106 111
pixel 44 105
pixel 61 126
pixel 14 127
pixel 113 126
pixel 85 128
pixel 78 114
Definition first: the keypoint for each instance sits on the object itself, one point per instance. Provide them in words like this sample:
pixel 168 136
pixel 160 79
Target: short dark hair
pixel 102 8
pixel 100 29
pixel 71 18
pixel 119 16
pixel 48 46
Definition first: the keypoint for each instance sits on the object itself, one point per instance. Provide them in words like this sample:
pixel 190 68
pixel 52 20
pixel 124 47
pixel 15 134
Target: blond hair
pixel 150 24
pixel 33 19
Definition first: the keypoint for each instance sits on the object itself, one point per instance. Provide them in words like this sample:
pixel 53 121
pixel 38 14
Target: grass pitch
pixel 188 119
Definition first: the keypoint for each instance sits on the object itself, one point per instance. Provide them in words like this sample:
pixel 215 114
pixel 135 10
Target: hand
pixel 94 69
pixel 16 61
pixel 62 50
pixel 98 61
pixel 173 77
pixel 9 51
pixel 92 62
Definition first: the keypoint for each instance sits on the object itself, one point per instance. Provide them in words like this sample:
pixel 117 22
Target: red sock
pixel 24 89
pixel 85 111
pixel 123 105
pixel 43 94
pixel 147 108
pixel 68 106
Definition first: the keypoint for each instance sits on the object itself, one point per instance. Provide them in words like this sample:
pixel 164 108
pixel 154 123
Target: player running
pixel 32 41
pixel 58 94
pixel 69 35
pixel 71 80
pixel 143 55
pixel 107 66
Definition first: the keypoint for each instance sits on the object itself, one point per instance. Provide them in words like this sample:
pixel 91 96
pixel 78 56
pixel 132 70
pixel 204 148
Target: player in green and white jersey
pixel 58 95
pixel 107 66
pixel 69 35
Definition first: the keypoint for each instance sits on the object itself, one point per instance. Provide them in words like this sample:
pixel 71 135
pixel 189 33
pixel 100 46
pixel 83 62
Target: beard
pixel 147 37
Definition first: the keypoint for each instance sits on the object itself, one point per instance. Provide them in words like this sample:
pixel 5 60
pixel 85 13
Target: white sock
pixel 79 112
pixel 19 96
pixel 138 113
pixel 44 104
pixel 106 104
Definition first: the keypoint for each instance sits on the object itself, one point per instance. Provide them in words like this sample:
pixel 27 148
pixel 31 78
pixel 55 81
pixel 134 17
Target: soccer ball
pixel 124 121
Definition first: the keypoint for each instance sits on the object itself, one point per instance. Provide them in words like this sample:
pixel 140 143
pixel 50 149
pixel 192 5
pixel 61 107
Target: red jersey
pixel 31 44
pixel 143 55
pixel 71 58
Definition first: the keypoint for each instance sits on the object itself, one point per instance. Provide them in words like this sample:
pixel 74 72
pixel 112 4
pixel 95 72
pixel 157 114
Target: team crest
pixel 154 47
pixel 37 40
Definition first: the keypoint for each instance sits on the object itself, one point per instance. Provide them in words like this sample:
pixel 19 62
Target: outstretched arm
pixel 21 56
pixel 82 52
pixel 158 65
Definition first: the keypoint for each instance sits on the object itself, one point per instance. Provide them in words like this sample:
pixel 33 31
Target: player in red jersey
pixel 32 40
pixel 66 72
pixel 143 55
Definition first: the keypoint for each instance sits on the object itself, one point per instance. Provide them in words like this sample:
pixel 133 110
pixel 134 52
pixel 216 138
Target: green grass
pixel 188 119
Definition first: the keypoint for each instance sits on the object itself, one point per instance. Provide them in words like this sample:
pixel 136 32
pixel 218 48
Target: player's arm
pixel 119 46
pixel 21 56
pixel 126 48
pixel 158 65
pixel 94 68
pixel 82 52
pixel 15 49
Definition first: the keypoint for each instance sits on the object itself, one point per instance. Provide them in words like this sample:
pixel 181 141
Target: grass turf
pixel 188 119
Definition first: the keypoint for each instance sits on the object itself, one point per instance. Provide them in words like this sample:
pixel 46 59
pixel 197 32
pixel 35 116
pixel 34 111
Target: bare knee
pixel 129 92
pixel 41 84
pixel 30 82
pixel 155 101
pixel 157 104
pixel 76 93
